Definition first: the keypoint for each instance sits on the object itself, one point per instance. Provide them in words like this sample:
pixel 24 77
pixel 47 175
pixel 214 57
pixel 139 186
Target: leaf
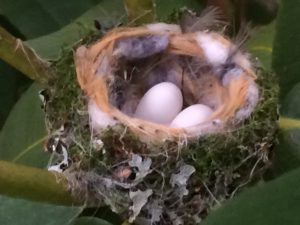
pixel 90 221
pixel 106 13
pixel 291 100
pixel 34 184
pixel 260 12
pixel 286 53
pixel 286 64
pixel 261 45
pixel 12 84
pixel 23 134
pixel 164 8
pixel 25 124
pixel 287 154
pixel 17 211
pixel 21 17
pixel 104 213
pixel 34 18
pixel 140 12
pixel 273 203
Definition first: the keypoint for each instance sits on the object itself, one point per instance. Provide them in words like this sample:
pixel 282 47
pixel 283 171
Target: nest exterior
pixel 150 173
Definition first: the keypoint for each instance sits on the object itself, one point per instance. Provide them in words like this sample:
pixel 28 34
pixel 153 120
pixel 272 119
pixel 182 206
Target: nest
pixel 151 173
pixel 223 79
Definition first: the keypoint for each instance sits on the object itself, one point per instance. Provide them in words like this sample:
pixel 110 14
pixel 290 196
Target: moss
pixel 224 162
pixel 238 156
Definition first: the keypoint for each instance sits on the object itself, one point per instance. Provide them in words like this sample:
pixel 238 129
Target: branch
pixel 17 54
pixel 34 184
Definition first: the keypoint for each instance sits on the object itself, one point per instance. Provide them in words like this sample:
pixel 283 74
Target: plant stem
pixel 17 54
pixel 140 12
pixel 34 184
pixel 289 123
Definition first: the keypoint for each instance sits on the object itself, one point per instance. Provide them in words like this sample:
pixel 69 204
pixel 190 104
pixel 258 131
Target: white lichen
pixel 142 165
pixel 139 199
pixel 180 179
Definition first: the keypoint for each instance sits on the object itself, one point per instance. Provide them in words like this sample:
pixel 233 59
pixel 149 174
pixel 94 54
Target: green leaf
pixel 286 53
pixel 261 45
pixel 287 153
pixel 34 18
pixel 291 101
pixel 34 184
pixel 23 17
pixel 23 134
pixel 107 13
pixel 17 211
pixel 140 12
pixel 12 84
pixel 286 64
pixel 164 8
pixel 260 12
pixel 273 203
pixel 90 221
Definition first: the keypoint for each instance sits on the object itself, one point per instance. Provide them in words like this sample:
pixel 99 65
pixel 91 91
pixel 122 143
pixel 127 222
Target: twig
pixel 249 179
pixel 211 194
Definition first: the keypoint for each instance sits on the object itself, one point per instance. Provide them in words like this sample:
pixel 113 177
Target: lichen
pixel 107 168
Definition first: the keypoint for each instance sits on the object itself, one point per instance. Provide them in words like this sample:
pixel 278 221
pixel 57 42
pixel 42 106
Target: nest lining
pixel 112 167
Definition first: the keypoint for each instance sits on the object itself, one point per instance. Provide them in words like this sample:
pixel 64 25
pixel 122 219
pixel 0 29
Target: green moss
pixel 224 162
pixel 233 159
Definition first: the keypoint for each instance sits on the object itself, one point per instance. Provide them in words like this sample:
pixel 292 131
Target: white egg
pixel 160 104
pixel 191 116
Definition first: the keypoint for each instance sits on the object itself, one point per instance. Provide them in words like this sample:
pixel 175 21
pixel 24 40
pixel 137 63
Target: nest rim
pixel 88 58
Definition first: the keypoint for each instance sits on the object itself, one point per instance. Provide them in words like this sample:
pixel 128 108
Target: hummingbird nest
pixel 155 173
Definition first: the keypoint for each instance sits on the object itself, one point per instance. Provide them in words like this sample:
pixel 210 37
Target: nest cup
pixel 209 69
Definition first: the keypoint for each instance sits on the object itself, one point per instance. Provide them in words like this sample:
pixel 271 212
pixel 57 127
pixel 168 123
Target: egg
pixel 160 104
pixel 191 116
